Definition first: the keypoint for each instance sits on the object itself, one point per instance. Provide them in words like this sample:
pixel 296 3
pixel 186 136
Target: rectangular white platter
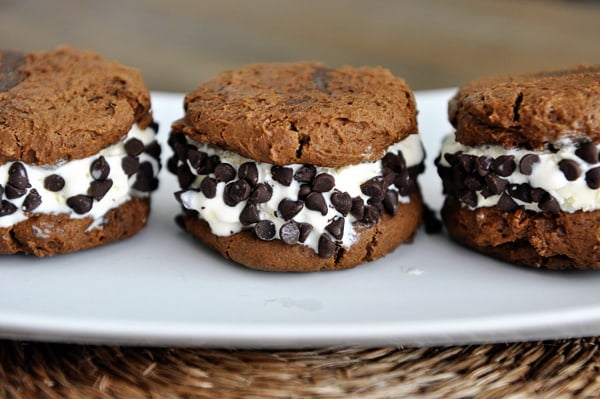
pixel 162 287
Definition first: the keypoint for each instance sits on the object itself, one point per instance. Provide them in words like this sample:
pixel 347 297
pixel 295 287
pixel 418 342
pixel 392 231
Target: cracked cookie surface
pixel 286 113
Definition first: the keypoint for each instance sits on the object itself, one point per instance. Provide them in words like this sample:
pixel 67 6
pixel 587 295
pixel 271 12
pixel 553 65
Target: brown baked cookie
pixel 302 113
pixel 78 152
pixel 522 172
pixel 299 167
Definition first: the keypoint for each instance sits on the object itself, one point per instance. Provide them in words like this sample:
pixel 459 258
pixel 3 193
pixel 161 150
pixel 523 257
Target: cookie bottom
pixel 374 241
pixel 47 235
pixel 564 241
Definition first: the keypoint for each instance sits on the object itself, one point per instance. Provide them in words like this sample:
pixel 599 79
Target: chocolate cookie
pixel 522 172
pixel 299 167
pixel 78 153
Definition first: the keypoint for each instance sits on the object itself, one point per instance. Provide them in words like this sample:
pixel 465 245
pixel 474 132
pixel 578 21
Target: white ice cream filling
pixel 224 219
pixel 77 179
pixel 571 195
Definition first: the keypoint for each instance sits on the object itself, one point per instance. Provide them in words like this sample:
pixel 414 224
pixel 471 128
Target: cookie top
pixel 288 113
pixel 529 110
pixel 66 104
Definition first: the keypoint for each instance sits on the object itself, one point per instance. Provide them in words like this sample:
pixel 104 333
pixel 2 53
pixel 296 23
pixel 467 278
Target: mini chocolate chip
pixel 452 159
pixel 316 202
pixel 134 147
pixel 504 165
pixel 130 165
pixel 336 228
pixel 17 176
pixel 249 214
pixel 403 183
pixel 196 158
pixel 538 194
pixel 145 180
pixel 99 188
pixel 32 201
pixel 473 183
pixel 467 162
pixel 261 193
pixel 288 208
pixel 326 247
pixel 184 176
pixel 393 161
pixel 358 208
pixel 208 186
pixel 154 150
pixel 588 152
pixel 468 197
pixel 323 182
pixel 569 168
pixel 390 202
pixel 265 230
pixel 224 172
pixel 506 203
pixel 374 187
pixel 208 165
pixel 12 192
pixel 100 169
pixel 527 162
pixel 282 174
pixel 8 208
pixel 289 232
pixel 172 164
pixel 483 164
pixel 236 192
pixel 495 183
pixel 305 174
pixel 549 204
pixel 178 142
pixel 249 172
pixel 81 204
pixel 371 215
pixel 592 178
pixel 305 229
pixel 54 183
pixel 304 191
pixel 342 202
pixel 520 191
pixel 154 126
pixel 389 176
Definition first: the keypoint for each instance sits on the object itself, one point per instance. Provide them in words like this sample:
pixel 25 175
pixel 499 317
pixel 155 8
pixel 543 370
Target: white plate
pixel 163 288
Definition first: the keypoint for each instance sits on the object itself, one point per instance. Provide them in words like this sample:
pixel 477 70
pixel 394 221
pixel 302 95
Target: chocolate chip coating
pixel 374 187
pixel 99 188
pixel 12 192
pixel 592 178
pixel 17 176
pixel 54 183
pixel 8 208
pixel 526 163
pixel 570 169
pixel 249 172
pixel 588 152
pixel 289 232
pixel 81 204
pixel 305 230
pixel 224 172
pixel 342 202
pixel 323 182
pixel 316 202
pixel 134 147
pixel 336 228
pixel 261 193
pixel 265 230
pixel 249 214
pixel 288 208
pixel 305 174
pixel 326 247
pixel 282 174
pixel 100 169
pixel 32 201
pixel 208 186
pixel 236 192
pixel 504 165
pixel 130 165
pixel 196 158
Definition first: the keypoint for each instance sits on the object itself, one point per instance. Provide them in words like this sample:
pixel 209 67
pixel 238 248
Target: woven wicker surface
pixel 551 369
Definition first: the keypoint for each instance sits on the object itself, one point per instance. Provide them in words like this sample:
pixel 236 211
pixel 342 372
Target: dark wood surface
pixel 431 43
